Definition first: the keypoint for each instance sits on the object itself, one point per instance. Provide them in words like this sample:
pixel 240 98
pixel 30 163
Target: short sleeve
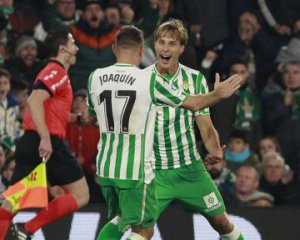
pixel 53 79
pixel 89 98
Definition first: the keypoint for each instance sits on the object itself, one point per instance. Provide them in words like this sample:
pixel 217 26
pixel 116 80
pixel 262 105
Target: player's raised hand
pixel 226 88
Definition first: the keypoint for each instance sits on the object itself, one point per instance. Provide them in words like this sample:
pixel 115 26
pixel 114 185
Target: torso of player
pixel 122 101
pixel 58 106
pixel 174 139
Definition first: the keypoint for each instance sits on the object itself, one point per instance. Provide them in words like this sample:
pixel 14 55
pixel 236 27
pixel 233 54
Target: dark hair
pixel 129 37
pixel 238 61
pixel 239 134
pixel 5 73
pixel 54 39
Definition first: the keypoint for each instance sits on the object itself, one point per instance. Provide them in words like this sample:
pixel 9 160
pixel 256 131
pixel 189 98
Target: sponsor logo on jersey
pixel 51 75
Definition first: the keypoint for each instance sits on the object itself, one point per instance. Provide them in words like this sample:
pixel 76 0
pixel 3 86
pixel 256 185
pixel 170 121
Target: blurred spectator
pixel 55 14
pixel 25 65
pixel 281 114
pixel 208 19
pixel 238 152
pixel 290 52
pixel 242 110
pixel 82 136
pixel 280 14
pixel 94 37
pixel 127 13
pixel 267 144
pixel 113 13
pixel 10 127
pixel 278 181
pixel 20 91
pixel 7 171
pixel 253 45
pixel 2 157
pixel 245 191
pixel 223 177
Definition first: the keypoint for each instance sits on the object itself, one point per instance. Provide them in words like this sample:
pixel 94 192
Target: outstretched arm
pixel 221 91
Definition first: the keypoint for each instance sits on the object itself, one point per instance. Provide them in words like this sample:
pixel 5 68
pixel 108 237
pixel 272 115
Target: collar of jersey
pixel 173 78
pixel 124 65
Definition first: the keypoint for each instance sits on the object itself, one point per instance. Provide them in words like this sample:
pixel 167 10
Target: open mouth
pixel 165 58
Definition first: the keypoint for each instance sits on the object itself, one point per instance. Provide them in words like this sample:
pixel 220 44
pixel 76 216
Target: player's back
pixel 121 98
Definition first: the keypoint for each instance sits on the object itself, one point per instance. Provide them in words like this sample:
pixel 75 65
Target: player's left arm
pixel 210 138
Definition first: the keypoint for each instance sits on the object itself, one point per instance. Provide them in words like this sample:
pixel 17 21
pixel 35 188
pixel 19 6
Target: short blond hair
pixel 173 27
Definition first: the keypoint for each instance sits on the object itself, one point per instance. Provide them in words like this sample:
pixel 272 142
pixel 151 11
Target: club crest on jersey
pixel 186 86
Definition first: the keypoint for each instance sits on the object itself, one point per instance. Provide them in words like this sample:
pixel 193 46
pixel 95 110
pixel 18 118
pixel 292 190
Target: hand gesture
pixel 213 158
pixel 45 148
pixel 226 88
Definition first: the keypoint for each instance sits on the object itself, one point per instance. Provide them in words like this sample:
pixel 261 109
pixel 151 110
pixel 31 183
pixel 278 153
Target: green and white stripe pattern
pixel 126 156
pixel 174 139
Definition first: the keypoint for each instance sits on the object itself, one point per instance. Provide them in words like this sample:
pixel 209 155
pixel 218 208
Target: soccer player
pixel 123 99
pixel 180 172
pixel 45 125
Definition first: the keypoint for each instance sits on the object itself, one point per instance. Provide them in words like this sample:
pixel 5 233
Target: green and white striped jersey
pixel 124 99
pixel 174 138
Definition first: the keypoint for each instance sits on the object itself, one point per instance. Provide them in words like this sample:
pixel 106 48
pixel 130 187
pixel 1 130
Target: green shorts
pixel 192 186
pixel 136 206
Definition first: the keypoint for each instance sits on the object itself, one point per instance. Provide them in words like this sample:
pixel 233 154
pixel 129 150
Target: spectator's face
pixel 4 87
pixel 7 173
pixel 66 8
pixel 266 145
pixel 237 145
pixel 22 95
pixel 168 49
pixel 72 50
pixel 246 180
pixel 241 70
pixel 79 105
pixel 28 55
pixel 291 76
pixel 164 6
pixel 2 157
pixel 93 14
pixel 273 170
pixel 113 15
pixel 6 3
pixel 296 27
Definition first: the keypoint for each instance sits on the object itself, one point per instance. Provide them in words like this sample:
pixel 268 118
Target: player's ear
pixel 182 47
pixel 141 52
pixel 114 49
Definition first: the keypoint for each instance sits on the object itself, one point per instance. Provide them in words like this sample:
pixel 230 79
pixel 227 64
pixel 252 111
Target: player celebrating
pixel 123 98
pixel 180 173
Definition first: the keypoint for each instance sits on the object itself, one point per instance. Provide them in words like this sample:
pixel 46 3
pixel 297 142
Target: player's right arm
pixel 168 94
pixel 221 91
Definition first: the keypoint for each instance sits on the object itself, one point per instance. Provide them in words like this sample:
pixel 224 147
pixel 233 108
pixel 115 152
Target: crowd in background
pixel 258 39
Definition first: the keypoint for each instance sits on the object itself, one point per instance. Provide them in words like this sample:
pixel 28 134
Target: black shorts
pixel 62 167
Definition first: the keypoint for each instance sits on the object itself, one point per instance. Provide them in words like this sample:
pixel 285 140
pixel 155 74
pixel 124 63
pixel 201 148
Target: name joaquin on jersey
pixel 118 78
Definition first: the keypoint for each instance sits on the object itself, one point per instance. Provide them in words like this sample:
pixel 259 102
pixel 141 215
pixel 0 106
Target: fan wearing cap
pixel 24 66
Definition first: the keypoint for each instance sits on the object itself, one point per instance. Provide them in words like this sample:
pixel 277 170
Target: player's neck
pixel 128 60
pixel 61 61
pixel 171 71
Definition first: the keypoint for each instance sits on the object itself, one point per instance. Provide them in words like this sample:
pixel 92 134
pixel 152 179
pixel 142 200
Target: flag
pixel 30 192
